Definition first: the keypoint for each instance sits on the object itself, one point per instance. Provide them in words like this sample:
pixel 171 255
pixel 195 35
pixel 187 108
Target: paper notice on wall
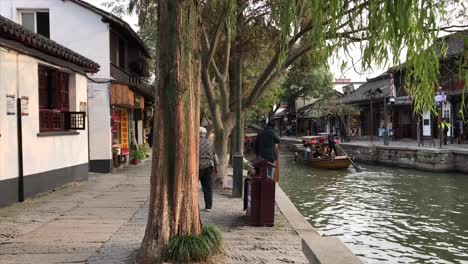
pixel 10 102
pixel 83 107
pixel 24 105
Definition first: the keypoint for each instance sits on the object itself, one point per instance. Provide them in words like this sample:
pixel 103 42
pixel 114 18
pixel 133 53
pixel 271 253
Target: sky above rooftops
pixel 352 70
pixel 335 66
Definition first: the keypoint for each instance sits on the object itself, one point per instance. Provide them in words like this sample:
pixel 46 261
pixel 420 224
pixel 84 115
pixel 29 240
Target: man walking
pixel 266 145
pixel 445 128
pixel 208 161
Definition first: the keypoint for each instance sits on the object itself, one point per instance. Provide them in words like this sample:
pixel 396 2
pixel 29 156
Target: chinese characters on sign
pixel 24 105
pixel 115 122
pixel 10 102
pixel 124 129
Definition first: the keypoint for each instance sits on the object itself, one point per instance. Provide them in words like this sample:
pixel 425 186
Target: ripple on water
pixel 385 215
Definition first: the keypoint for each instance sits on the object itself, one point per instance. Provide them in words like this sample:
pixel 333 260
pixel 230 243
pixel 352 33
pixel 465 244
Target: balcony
pixel 133 80
pixel 123 76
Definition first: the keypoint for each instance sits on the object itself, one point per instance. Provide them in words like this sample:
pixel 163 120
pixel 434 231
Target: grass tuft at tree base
pixel 195 248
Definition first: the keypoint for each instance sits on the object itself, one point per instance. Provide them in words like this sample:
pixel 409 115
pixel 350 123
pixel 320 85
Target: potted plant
pixel 134 160
pixel 144 148
pixel 137 156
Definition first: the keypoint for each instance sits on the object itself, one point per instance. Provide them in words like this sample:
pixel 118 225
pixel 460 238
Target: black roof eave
pixel 32 52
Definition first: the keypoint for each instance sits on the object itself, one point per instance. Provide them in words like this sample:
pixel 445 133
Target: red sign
pixel 343 81
pixel 124 129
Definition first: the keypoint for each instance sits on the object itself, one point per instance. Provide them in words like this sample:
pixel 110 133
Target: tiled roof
pixel 117 20
pixel 13 31
pixel 455 43
pixel 361 94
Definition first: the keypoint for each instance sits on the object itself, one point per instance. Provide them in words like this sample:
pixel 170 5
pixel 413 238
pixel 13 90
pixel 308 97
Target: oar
pixel 350 160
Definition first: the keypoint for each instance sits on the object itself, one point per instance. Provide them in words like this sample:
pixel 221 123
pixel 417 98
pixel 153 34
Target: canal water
pixel 385 214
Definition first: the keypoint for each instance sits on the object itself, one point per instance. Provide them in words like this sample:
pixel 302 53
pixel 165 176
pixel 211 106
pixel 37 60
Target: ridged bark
pixel 173 208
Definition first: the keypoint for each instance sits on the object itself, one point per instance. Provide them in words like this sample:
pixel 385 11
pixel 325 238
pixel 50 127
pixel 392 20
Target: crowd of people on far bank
pixel 457 130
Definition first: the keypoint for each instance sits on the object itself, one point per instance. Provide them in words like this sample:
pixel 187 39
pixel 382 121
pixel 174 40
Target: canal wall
pixel 427 159
pixel 437 160
pixel 317 249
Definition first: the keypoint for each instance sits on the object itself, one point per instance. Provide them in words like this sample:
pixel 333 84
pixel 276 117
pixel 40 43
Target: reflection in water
pixel 385 215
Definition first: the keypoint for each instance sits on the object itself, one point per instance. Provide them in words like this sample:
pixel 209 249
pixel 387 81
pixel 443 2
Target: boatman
pixel 266 146
pixel 331 143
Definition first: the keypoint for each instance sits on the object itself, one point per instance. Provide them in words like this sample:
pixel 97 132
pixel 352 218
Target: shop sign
pixel 124 129
pixel 115 121
pixel 24 105
pixel 10 103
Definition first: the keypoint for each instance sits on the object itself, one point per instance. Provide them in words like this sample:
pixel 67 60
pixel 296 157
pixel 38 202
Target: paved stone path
pixel 103 221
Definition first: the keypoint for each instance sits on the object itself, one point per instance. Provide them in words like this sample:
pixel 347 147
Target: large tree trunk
pixel 173 208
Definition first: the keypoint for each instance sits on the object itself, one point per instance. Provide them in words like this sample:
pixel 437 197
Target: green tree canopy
pixel 303 79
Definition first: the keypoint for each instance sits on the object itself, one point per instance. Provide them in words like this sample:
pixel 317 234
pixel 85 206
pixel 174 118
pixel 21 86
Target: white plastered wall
pixel 72 26
pixel 8 128
pixel 82 31
pixel 100 139
pixel 40 154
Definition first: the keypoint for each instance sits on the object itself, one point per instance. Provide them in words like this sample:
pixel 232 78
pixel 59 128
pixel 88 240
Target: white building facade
pixel 43 98
pixel 109 41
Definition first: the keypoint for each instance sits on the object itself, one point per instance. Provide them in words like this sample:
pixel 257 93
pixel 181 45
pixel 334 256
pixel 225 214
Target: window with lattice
pixel 54 99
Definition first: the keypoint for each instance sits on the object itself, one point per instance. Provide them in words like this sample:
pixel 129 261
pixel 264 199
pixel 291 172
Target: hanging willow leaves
pixel 384 30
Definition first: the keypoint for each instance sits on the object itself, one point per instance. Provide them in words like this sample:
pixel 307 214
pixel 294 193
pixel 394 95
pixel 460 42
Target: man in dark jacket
pixel 331 143
pixel 266 145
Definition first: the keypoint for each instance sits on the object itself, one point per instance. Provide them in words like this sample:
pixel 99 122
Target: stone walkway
pixel 103 221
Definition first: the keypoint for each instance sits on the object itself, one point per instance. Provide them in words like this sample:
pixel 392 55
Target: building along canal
pixel 384 214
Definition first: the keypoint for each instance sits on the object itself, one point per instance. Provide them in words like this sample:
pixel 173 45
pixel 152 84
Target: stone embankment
pixel 402 154
pixel 438 160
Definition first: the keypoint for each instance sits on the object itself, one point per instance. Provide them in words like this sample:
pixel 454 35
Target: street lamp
pixel 440 99
pixel 385 133
pixel 372 93
pixel 238 158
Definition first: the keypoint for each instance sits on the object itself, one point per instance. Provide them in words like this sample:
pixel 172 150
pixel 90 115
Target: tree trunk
pixel 221 147
pixel 173 208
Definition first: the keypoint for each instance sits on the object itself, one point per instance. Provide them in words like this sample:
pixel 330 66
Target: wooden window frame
pixel 51 116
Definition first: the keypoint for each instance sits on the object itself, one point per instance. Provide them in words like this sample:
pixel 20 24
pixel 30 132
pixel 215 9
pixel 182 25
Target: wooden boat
pixel 337 163
pixel 324 162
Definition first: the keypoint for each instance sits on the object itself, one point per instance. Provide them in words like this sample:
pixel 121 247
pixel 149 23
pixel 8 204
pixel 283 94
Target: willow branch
pixel 294 55
pixel 214 41
pixel 210 96
pixel 223 78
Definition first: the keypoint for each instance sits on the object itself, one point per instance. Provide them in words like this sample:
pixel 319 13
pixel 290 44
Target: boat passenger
pixel 317 152
pixel 307 151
